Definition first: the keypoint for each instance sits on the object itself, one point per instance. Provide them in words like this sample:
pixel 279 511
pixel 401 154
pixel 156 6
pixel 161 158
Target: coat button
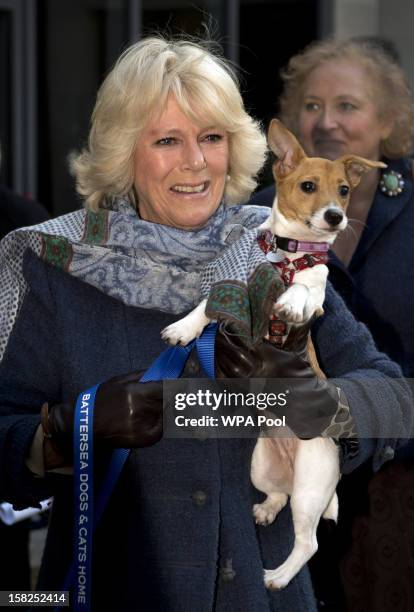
pixel 227 572
pixel 387 454
pixel 199 498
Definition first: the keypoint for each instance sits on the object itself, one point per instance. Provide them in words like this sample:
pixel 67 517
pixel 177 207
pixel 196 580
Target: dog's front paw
pixel 186 329
pixel 289 314
pixel 179 333
pixel 291 306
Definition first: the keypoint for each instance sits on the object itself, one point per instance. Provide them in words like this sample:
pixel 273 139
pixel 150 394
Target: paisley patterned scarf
pixel 137 262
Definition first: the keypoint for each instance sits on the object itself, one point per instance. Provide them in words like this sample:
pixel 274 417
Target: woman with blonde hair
pixel 84 298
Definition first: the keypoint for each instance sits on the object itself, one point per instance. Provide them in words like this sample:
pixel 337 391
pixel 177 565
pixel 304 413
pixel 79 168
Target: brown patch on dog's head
pixel 307 184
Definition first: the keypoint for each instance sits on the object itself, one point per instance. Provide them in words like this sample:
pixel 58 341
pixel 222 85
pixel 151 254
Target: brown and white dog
pixel 309 209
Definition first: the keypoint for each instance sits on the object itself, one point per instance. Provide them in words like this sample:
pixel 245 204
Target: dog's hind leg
pixel 272 473
pixel 316 475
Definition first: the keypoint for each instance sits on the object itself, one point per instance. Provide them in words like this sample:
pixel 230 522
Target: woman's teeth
pixel 189 188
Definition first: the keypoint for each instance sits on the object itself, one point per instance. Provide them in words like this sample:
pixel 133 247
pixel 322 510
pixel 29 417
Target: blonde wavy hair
pixel 138 86
pixel 392 95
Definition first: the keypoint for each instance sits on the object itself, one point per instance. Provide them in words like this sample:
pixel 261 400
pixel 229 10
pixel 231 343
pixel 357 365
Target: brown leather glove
pixel 127 414
pixel 234 359
pixel 312 402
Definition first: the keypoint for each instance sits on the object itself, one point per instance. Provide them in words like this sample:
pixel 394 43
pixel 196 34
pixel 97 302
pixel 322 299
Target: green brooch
pixel 391 183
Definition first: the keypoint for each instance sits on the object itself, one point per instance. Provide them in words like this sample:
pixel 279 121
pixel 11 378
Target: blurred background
pixel 55 53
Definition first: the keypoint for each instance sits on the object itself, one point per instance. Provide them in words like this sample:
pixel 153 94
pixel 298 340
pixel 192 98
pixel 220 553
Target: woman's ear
pixel 387 127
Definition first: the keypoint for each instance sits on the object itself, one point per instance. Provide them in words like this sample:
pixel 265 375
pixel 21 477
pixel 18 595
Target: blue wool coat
pixel 180 515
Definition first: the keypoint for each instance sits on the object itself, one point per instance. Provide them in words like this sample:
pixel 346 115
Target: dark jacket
pixel 17 211
pixel 378 285
pixel 181 511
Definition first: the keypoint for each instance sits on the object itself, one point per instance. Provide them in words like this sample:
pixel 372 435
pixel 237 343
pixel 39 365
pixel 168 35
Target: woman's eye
pixel 347 106
pixel 165 141
pixel 308 186
pixel 213 137
pixel 311 106
pixel 343 190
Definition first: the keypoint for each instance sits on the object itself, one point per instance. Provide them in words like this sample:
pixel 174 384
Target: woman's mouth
pixel 198 188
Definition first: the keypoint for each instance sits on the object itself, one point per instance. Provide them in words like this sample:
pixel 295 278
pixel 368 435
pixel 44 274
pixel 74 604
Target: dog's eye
pixel 343 190
pixel 308 186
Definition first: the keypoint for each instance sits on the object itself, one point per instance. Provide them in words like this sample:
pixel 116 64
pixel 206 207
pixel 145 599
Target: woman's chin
pixel 195 216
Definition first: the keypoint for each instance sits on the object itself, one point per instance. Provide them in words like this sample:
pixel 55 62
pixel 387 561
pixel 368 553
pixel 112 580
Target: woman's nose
pixel 327 119
pixel 194 156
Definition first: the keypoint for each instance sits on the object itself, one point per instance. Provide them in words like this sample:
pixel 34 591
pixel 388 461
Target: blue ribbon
pixel 83 481
pixel 168 365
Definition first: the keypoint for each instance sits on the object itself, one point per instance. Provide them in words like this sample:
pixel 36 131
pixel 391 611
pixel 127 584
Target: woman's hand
pixel 312 403
pixel 234 359
pixel 127 414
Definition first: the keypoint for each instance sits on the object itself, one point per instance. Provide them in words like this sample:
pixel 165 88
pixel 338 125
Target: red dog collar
pixel 289 267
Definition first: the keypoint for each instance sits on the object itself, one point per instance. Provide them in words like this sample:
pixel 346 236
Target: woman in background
pixel 351 97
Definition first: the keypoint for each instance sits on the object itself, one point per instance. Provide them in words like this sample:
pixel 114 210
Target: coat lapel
pixel 383 211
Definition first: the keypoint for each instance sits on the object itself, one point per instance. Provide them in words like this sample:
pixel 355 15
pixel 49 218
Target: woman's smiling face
pixel 180 169
pixel 339 113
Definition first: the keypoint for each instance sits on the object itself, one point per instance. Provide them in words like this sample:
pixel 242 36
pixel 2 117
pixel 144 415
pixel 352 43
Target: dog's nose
pixel 333 217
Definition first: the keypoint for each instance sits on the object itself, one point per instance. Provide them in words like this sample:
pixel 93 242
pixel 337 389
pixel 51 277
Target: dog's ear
pixel 284 145
pixel 356 166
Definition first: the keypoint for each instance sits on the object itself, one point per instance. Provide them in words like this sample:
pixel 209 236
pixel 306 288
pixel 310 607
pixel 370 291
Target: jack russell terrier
pixel 307 214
